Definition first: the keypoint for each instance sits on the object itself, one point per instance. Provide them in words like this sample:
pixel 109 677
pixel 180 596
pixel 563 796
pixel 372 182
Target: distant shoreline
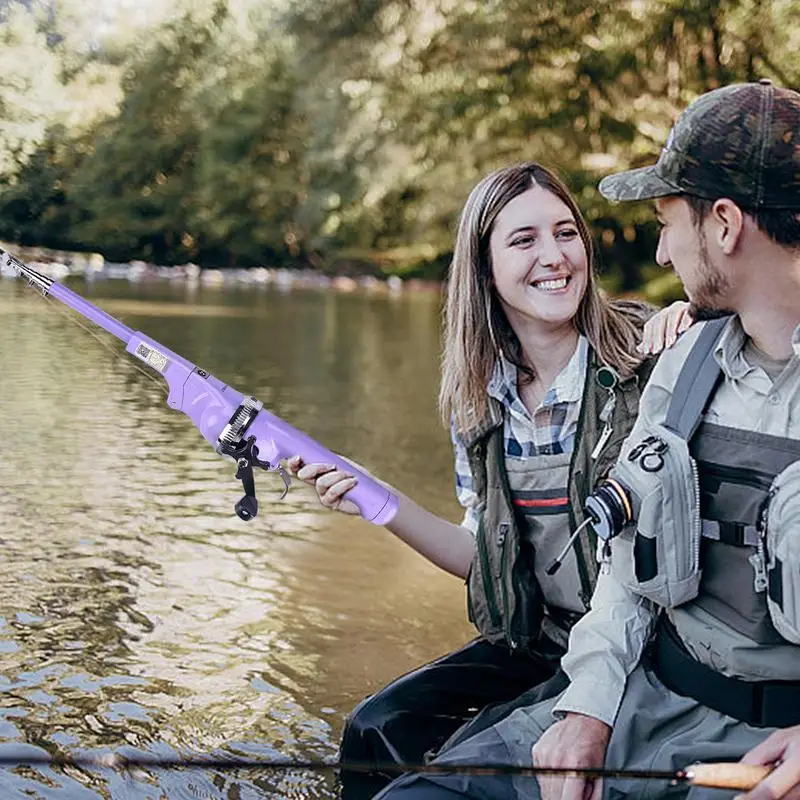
pixel 60 265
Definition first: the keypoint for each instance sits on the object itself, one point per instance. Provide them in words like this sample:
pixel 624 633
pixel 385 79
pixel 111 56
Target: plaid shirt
pixel 550 431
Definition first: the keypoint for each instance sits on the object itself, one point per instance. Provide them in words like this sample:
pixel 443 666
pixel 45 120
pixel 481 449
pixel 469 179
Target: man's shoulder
pixel 671 361
pixel 657 395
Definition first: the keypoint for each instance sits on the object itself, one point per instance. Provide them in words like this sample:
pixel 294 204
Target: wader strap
pixel 696 381
pixel 764 704
pixel 730 533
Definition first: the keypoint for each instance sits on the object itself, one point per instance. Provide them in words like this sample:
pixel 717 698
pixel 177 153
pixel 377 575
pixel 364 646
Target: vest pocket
pixel 487 583
pixel 658 554
pixel 783 552
pixel 645 557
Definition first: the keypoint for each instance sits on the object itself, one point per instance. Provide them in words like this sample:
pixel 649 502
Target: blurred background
pixel 207 172
pixel 344 135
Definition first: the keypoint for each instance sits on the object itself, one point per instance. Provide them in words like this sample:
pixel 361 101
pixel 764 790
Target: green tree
pixel 30 92
pixel 133 189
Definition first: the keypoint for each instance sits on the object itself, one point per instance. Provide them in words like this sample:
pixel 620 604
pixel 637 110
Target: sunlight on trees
pixel 330 131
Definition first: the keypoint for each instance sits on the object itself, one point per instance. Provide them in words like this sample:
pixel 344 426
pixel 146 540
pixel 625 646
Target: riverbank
pixel 60 264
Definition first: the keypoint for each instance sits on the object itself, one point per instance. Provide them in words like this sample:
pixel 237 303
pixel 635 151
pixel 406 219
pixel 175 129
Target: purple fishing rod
pixel 235 425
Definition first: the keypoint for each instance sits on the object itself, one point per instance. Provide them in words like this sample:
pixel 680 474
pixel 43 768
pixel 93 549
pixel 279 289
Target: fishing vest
pixel 541 502
pixel 736 470
pixel 700 493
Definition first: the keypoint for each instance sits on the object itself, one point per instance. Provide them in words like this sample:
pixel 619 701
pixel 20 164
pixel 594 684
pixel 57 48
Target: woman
pixel 540 385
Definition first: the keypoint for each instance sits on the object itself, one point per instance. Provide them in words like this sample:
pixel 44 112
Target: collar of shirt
pixel 566 388
pixel 729 354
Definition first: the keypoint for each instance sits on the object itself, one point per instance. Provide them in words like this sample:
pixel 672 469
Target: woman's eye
pixel 567 234
pixel 523 241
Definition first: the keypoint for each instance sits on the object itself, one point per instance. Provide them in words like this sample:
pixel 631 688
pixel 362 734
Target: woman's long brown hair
pixel 475 326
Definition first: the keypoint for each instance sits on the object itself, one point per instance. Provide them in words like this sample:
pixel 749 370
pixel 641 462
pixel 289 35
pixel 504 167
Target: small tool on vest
pixel 608 379
pixel 555 564
pixel 758 560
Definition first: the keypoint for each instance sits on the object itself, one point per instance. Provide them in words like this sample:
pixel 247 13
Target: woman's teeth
pixel 551 285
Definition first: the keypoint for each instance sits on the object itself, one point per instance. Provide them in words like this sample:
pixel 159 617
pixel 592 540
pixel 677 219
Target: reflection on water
pixel 136 610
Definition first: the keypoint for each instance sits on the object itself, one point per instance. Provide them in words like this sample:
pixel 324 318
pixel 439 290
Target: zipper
pixel 697 524
pixel 486 578
pixel 583 570
pixel 755 479
pixel 506 574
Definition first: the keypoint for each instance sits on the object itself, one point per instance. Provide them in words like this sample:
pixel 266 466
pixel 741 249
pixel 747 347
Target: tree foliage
pixel 248 133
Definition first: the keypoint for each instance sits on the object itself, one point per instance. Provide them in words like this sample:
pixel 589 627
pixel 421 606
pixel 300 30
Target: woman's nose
pixel 550 254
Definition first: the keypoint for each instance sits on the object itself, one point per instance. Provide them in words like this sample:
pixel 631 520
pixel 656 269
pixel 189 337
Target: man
pixel 709 574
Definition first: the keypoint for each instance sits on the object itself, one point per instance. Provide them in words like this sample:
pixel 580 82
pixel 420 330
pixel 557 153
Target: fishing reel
pixel 244 451
pixel 609 509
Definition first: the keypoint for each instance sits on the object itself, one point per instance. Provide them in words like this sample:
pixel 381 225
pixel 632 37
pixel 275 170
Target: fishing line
pixel 73 317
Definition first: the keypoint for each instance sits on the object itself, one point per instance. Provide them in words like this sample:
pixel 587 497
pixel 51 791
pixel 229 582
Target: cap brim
pixel 636 184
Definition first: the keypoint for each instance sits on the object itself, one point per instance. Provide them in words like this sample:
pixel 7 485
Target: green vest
pixel 504 598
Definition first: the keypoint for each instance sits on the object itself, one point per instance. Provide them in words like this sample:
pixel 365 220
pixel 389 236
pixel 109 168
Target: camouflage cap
pixel 740 141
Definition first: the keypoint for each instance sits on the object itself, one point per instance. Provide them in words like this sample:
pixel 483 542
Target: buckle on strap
pixel 730 533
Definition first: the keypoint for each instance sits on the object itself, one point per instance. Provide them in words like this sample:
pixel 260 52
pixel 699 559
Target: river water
pixel 138 614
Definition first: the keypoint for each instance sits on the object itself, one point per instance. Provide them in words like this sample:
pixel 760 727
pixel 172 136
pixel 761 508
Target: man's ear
pixel 728 224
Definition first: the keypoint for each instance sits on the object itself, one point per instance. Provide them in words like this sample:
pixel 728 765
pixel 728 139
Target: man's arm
pixel 604 648
pixel 783 546
pixel 607 644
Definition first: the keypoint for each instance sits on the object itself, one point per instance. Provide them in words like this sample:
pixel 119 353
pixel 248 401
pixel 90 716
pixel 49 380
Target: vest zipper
pixel 486 577
pixel 697 523
pixel 755 478
pixel 583 570
pixel 506 575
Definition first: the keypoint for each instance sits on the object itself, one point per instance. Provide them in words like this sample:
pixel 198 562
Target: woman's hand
pixel 664 327
pixel 330 482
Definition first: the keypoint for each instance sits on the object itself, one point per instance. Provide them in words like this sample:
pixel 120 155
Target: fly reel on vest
pixel 609 509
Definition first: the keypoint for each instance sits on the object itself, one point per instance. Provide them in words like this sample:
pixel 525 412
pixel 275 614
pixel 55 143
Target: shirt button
pixel 774 398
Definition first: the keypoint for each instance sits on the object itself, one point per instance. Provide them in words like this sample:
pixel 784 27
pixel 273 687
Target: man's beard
pixel 706 301
pixel 700 314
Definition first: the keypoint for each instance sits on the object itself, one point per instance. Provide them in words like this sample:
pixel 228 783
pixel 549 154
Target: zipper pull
pixel 601 442
pixel 757 561
pixel 604 555
pixel 605 418
pixel 501 533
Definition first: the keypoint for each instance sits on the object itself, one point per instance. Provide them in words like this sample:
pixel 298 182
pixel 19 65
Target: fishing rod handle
pixel 723 775
pixel 375 502
pixel 210 404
